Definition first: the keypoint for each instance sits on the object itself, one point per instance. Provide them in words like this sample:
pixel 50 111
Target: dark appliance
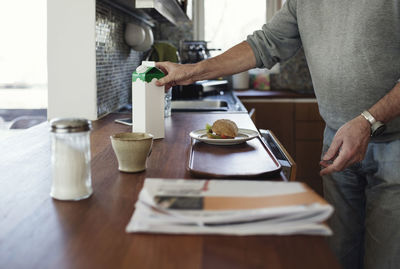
pixel 289 167
pixel 193 51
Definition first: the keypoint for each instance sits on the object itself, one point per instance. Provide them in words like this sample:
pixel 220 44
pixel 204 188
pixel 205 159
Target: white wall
pixel 71 58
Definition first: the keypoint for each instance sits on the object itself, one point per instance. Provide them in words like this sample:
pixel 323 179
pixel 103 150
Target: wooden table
pixel 37 231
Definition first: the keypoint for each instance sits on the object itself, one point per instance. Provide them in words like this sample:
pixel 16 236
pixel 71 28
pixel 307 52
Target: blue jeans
pixel 366 197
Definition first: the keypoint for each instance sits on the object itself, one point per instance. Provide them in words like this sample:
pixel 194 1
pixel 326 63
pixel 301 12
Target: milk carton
pixel 148 100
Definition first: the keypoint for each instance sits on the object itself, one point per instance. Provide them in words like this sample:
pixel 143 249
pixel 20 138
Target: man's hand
pixel 235 60
pixel 348 146
pixel 176 74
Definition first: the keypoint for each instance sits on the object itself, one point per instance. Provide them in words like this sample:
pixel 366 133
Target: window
pixel 228 22
pixel 23 68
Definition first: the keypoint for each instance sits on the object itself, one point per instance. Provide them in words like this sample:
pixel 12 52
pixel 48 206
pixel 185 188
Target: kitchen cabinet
pixel 309 129
pixel 277 117
pixel 297 123
pixel 162 10
pixel 157 10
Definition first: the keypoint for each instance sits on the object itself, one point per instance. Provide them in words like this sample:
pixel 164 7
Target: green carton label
pixel 148 75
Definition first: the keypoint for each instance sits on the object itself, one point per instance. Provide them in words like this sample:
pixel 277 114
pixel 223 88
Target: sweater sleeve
pixel 279 39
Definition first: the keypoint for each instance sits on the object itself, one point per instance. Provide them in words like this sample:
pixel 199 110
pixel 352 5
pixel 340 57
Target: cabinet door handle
pixel 252 115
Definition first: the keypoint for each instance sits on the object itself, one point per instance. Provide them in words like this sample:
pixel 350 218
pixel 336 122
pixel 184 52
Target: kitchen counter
pixel 37 231
pixel 253 94
pixel 233 104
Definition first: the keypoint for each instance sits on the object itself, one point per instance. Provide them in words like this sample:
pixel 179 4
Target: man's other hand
pixel 348 146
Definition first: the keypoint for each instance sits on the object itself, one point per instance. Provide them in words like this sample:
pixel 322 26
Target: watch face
pixel 377 128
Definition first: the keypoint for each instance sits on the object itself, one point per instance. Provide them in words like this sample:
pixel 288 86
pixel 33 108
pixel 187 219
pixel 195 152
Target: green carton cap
pixel 148 74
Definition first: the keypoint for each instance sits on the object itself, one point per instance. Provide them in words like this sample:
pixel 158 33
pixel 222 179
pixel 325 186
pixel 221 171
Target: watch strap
pixel 368 117
pixel 377 127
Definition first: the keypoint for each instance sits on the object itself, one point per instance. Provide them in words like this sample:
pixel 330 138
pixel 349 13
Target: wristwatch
pixel 377 127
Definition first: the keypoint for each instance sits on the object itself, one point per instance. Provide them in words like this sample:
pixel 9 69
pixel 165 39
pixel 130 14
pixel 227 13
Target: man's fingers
pixel 166 67
pixel 167 81
pixel 348 147
pixel 333 150
pixel 165 71
pixel 338 166
pixel 325 163
pixel 161 81
pixel 339 163
pixel 162 66
pixel 345 158
pixel 167 86
pixel 334 167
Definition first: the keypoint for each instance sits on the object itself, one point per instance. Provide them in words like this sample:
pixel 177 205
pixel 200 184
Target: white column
pixel 71 57
pixel 198 19
pixel 272 7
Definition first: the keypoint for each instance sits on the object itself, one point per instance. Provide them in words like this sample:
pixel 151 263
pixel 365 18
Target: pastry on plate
pixel 222 129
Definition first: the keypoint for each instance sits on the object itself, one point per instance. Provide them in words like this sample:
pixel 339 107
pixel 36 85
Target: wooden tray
pixel 246 160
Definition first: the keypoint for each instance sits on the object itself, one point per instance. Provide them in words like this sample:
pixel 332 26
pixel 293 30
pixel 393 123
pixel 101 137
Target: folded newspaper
pixel 235 207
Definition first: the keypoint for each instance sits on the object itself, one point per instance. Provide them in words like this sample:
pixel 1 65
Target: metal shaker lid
pixel 70 125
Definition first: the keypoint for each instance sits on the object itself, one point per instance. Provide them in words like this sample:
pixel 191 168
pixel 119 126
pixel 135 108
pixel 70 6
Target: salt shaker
pixel 70 159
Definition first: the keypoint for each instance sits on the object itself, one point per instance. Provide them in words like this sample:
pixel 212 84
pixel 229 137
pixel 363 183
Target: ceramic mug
pixel 240 81
pixel 132 150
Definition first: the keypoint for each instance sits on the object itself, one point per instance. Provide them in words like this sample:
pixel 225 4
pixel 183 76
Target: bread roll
pixel 225 128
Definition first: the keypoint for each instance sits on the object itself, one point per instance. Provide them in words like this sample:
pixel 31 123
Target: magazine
pixel 236 207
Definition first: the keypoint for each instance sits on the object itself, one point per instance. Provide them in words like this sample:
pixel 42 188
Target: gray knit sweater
pixel 352 48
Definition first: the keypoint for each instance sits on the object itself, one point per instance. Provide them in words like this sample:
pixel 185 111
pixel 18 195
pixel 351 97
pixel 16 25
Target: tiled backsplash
pixel 174 33
pixel 115 60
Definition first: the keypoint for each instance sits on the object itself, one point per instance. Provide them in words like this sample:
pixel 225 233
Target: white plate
pixel 243 136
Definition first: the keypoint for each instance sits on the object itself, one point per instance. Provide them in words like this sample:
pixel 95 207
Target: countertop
pixel 270 94
pixel 37 231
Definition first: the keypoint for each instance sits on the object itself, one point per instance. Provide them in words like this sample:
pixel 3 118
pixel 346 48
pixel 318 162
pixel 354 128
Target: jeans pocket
pixel 325 148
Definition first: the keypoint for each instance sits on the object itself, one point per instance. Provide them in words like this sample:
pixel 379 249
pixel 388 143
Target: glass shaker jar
pixel 70 159
pixel 167 103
